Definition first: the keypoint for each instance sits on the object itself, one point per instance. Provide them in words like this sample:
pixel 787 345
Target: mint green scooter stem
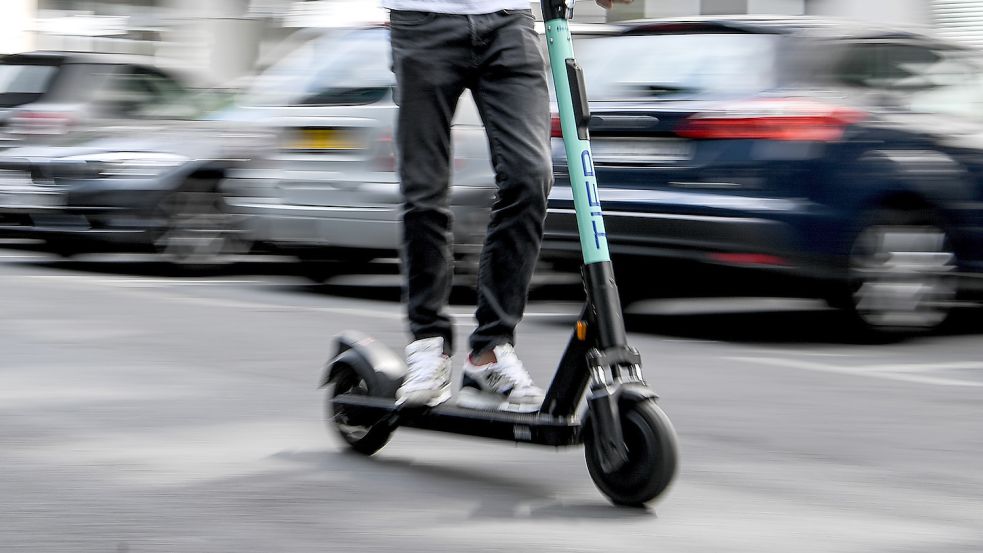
pixel 572 105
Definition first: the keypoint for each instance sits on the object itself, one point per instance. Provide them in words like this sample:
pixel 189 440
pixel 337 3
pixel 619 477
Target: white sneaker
pixel 428 380
pixel 503 385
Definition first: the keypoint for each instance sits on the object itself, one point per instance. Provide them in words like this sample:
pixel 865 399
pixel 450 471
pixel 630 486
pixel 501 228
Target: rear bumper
pixel 120 211
pixel 305 226
pixel 75 227
pixel 99 225
pixel 377 228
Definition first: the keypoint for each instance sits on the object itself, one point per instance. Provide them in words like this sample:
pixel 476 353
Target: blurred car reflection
pixel 150 185
pixel 845 157
pixel 46 94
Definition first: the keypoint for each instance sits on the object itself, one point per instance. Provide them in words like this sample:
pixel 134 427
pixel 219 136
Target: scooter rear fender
pixel 381 369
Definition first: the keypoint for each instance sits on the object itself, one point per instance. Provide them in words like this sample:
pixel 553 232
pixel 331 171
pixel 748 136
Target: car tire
pixel 319 265
pixel 200 232
pixel 901 273
pixel 62 248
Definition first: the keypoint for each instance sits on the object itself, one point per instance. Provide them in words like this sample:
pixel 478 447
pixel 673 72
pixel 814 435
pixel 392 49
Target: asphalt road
pixel 146 412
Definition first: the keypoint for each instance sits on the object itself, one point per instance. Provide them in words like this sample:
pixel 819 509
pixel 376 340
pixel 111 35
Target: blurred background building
pixel 222 40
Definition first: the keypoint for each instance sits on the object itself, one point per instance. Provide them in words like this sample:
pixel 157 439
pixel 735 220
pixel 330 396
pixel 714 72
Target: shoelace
pixel 511 369
pixel 424 365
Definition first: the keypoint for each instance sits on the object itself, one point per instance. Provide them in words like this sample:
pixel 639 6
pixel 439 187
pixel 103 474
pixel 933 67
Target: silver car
pixel 47 95
pixel 329 190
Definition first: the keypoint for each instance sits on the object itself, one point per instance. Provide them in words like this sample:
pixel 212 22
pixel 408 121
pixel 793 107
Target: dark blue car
pixel 845 157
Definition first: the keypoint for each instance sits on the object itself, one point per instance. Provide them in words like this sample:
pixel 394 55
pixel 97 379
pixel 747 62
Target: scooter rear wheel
pixel 365 439
pixel 651 465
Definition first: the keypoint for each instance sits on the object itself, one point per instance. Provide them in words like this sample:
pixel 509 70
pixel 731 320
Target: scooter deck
pixel 535 428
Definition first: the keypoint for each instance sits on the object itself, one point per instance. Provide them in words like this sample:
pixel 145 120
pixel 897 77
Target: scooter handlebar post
pixel 557 9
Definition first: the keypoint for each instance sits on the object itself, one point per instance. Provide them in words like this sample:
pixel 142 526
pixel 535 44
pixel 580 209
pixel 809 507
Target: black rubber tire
pixel 320 265
pixel 200 233
pixel 319 272
pixel 62 248
pixel 366 440
pixel 652 456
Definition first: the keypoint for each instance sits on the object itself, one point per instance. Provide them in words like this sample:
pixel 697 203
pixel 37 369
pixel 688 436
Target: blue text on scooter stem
pixel 593 199
pixel 583 184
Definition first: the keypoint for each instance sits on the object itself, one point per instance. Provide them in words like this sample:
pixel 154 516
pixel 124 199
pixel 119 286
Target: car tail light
pixel 749 259
pixel 783 119
pixel 40 122
pixel 385 157
pixel 556 130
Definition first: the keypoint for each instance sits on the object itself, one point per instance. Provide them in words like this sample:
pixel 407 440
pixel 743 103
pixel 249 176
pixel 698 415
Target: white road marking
pixel 928 367
pixel 137 281
pixel 885 372
pixel 171 282
pixel 153 287
pixel 785 351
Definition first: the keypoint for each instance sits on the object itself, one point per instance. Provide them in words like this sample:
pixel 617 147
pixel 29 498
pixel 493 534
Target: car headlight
pixel 120 164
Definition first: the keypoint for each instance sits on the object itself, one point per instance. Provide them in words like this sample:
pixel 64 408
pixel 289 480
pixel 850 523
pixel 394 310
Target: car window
pixel 671 65
pixel 79 82
pixel 329 70
pixel 21 83
pixel 883 65
pixel 165 88
pixel 918 78
pixel 139 91
pixel 25 78
pixel 951 84
pixel 859 66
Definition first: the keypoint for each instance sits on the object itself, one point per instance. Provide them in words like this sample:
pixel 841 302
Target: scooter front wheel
pixel 361 437
pixel 651 466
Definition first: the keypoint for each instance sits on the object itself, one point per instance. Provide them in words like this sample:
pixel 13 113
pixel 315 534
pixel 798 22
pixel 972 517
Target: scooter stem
pixel 610 349
pixel 571 100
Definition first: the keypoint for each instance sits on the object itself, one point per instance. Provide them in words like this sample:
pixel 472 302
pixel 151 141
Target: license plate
pixel 640 151
pixel 17 190
pixel 324 139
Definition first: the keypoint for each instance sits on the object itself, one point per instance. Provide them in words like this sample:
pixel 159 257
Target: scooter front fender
pixel 381 369
pixel 632 392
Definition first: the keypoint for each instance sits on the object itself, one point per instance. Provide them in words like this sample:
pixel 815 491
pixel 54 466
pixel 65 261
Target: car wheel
pixel 61 248
pixel 321 264
pixel 199 231
pixel 901 273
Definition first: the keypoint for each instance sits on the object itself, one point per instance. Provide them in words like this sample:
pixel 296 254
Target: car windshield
pixel 673 65
pixel 331 69
pixel 21 83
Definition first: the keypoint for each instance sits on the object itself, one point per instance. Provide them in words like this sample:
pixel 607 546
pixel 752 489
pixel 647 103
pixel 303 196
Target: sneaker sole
pixel 422 400
pixel 470 398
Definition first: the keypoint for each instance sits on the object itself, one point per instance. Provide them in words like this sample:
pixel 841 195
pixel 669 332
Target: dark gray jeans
pixel 497 56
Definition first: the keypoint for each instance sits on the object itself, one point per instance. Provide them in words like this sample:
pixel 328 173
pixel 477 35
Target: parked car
pixel 844 158
pixel 150 185
pixel 44 95
pixel 329 190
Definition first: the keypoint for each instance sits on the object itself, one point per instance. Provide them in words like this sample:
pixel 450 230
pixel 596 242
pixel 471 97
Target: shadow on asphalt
pixel 500 496
pixel 752 327
pixel 820 326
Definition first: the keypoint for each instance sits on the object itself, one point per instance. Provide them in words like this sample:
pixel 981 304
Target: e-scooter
pixel 630 443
